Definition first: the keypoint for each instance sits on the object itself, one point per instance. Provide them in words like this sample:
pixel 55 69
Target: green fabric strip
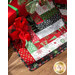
pixel 14 8
pixel 49 13
pixel 31 47
pixel 36 42
pixel 54 37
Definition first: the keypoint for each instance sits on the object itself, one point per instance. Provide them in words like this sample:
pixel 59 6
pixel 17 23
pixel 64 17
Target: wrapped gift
pixel 40 40
pixel 15 10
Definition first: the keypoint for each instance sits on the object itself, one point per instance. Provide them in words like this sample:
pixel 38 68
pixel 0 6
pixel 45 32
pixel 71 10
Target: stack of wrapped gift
pixel 40 36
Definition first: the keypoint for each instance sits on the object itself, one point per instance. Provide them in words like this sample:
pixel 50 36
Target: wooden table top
pixel 17 67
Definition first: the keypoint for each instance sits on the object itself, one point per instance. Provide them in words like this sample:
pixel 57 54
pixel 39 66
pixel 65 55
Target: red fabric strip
pixel 57 33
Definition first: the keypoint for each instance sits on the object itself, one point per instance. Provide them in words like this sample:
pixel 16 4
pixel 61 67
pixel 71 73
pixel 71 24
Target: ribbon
pixel 14 8
pixel 21 30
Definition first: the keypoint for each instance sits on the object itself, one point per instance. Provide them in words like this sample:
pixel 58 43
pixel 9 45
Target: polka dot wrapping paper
pixel 48 31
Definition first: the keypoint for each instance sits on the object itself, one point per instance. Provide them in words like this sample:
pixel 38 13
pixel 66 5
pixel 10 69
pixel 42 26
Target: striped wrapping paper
pixel 48 37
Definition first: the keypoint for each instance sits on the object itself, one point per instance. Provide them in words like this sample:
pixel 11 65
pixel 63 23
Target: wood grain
pixel 16 66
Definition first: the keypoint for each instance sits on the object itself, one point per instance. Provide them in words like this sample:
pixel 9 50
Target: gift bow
pixel 21 30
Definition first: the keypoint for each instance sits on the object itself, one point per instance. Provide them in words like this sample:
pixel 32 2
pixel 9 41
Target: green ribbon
pixel 14 8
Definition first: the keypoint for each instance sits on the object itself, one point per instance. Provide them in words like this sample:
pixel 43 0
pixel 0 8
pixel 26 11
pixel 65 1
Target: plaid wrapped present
pixel 48 39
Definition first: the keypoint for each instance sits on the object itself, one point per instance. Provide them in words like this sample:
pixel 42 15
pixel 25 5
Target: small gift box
pixel 15 10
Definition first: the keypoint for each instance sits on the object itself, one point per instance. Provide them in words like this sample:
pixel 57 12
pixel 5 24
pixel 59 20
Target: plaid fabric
pixel 48 37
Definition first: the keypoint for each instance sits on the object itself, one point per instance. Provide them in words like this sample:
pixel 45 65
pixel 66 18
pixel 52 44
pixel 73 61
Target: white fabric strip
pixel 50 29
pixel 42 9
pixel 63 11
pixel 49 47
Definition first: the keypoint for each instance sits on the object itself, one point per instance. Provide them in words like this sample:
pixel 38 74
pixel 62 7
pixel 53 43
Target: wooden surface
pixel 16 66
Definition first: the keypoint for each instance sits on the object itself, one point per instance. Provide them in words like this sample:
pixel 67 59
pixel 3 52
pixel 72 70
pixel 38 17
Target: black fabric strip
pixel 48 22
pixel 36 28
pixel 47 57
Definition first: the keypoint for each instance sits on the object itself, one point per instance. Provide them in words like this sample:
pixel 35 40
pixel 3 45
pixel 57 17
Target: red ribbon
pixel 21 30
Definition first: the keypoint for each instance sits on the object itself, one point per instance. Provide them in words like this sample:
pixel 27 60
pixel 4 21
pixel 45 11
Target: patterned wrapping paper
pixel 48 37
